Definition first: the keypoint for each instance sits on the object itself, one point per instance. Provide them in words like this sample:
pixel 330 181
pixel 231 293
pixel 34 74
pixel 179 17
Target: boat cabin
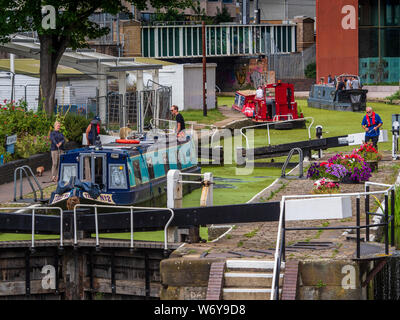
pixel 327 96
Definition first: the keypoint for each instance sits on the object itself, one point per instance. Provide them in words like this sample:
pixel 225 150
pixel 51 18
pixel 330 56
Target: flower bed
pixel 348 168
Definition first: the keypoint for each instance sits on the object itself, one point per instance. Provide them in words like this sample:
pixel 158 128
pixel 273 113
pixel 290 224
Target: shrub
pixel 28 145
pixel 74 126
pixel 311 71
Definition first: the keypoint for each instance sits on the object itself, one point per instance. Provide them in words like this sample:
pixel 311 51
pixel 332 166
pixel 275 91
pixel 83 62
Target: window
pixel 166 162
pixel 117 176
pixel 136 171
pixel 67 172
pixel 150 167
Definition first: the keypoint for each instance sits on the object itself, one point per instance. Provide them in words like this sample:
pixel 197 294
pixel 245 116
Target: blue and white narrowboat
pixel 123 173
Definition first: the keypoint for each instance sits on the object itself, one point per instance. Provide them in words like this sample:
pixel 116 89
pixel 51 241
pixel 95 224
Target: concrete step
pixel 247 294
pixel 249 280
pixel 251 265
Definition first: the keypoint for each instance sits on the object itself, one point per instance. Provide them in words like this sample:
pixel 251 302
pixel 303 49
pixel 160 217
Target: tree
pixel 72 28
pixel 222 16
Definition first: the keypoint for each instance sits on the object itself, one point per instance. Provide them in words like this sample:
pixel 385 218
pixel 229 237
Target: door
pixel 93 168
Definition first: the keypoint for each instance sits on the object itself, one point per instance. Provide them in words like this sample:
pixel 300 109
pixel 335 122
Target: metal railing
pixel 283 173
pixel 273 123
pixel 280 243
pixel 20 169
pixel 131 208
pixel 33 209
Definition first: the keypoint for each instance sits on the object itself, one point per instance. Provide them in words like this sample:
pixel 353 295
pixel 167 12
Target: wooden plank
pixel 17 288
pixel 124 287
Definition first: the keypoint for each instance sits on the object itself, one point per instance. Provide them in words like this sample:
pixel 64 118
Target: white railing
pixel 34 209
pixel 131 208
pixel 185 41
pixel 273 123
pixel 279 239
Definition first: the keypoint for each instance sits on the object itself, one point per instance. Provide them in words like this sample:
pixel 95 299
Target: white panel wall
pixel 193 82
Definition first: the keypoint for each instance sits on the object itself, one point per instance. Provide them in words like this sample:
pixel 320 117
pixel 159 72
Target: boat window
pixel 323 92
pixel 136 171
pixel 67 172
pixel 87 169
pixel 98 171
pixel 117 176
pixel 93 169
pixel 150 167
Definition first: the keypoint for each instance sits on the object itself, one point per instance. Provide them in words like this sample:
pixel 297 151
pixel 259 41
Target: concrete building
pixel 359 37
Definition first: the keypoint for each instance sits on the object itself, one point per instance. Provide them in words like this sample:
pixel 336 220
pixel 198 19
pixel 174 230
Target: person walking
pixel 57 146
pixel 371 124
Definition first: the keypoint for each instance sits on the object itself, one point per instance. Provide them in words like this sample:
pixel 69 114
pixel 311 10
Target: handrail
pixel 20 169
pixel 280 240
pixel 95 206
pixel 273 123
pixel 283 174
pixel 33 209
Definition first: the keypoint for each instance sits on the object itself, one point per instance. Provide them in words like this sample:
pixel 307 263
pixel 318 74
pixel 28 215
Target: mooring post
pixel 174 200
pixel 386 224
pixel 367 214
pixel 392 205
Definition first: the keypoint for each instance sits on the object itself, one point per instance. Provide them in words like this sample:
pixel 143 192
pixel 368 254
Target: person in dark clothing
pixel 341 85
pixel 93 130
pixel 57 146
pixel 180 121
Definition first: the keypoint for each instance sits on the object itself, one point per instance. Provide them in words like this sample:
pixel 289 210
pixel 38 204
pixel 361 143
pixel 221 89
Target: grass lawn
pixel 213 115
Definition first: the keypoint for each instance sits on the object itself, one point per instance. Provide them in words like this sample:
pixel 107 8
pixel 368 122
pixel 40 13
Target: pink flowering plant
pixel 341 167
pixel 324 185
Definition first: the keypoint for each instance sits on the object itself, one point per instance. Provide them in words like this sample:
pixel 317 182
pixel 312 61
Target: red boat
pixel 282 107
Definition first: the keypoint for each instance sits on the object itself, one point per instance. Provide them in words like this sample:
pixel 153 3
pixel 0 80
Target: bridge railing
pixel 180 41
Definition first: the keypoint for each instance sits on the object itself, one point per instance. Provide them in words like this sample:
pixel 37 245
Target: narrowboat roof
pixel 128 149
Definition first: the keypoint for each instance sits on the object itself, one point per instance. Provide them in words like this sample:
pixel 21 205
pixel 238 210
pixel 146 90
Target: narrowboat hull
pixel 144 196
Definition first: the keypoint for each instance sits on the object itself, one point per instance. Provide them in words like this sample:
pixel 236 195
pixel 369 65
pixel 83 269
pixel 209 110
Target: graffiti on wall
pixel 245 74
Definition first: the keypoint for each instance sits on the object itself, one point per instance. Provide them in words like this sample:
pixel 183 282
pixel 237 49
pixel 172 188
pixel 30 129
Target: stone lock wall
pixel 332 280
pixel 185 279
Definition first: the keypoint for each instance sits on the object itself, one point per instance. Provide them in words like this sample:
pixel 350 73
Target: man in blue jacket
pixel 371 124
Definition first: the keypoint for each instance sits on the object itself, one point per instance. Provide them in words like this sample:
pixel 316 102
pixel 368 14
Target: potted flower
pixel 325 186
pixel 370 155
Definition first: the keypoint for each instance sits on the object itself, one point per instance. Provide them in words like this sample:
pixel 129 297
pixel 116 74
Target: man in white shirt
pixel 355 84
pixel 259 93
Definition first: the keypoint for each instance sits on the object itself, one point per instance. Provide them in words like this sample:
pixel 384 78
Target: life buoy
pixel 127 141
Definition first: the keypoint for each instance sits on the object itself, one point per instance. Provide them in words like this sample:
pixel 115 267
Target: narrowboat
pixel 123 173
pixel 325 96
pixel 280 111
